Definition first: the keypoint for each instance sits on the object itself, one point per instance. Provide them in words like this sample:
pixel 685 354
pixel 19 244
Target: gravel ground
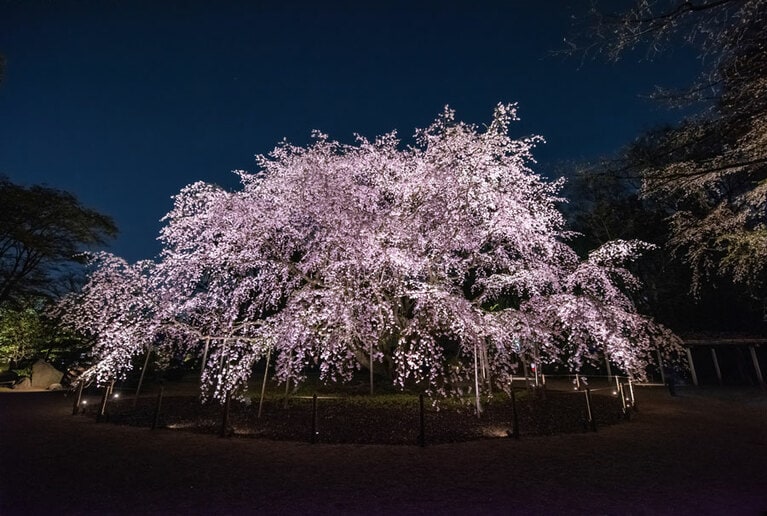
pixel 702 452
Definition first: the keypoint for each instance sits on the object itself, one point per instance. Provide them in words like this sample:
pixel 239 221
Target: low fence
pixel 557 404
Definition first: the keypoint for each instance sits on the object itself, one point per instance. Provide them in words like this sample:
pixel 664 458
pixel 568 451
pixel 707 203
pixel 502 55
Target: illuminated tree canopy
pixel 440 263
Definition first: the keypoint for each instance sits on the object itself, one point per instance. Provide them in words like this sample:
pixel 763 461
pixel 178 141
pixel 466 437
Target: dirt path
pixel 693 454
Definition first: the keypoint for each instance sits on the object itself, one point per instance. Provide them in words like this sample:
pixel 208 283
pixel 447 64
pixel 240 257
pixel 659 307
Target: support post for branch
pixel 527 374
pixel 633 399
pixel 141 378
pixel 609 369
pixel 514 415
pixel 371 368
pixel 717 370
pixel 692 368
pixel 476 382
pixel 78 399
pixel 263 384
pixel 313 437
pixel 421 419
pixel 204 356
pixel 287 391
pixel 661 367
pixel 757 369
pixel 104 399
pixel 225 415
pixel 158 407
pixel 590 411
pixel 622 394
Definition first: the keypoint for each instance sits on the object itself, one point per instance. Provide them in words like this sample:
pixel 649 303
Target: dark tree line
pixel 699 187
pixel 43 233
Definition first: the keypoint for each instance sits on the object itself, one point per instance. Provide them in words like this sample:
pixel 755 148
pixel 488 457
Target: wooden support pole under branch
pixel 78 399
pixel 263 384
pixel 422 426
pixel 514 415
pixel 141 378
pixel 225 428
pixel 591 420
pixel 313 437
pixel 158 407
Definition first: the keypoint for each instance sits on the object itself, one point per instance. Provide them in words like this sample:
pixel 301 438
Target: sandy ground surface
pixel 696 453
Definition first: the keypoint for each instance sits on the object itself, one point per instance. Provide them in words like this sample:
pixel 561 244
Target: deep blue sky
pixel 123 103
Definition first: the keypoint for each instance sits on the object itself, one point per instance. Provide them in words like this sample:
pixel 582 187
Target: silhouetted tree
pixel 43 232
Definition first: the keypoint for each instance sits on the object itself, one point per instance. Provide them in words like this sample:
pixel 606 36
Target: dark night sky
pixel 123 103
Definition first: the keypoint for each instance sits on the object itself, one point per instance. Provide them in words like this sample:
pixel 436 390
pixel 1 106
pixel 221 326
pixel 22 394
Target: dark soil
pixel 703 451
pixel 360 419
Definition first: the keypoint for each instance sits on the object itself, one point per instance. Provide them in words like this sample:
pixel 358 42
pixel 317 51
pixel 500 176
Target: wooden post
pixel 757 369
pixel 313 437
pixel 514 415
pixel 716 365
pixel 158 406
pixel 422 426
pixel 692 367
pixel 225 416
pixel 263 384
pixel 141 378
pixel 78 399
pixel 661 367
pixel 633 400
